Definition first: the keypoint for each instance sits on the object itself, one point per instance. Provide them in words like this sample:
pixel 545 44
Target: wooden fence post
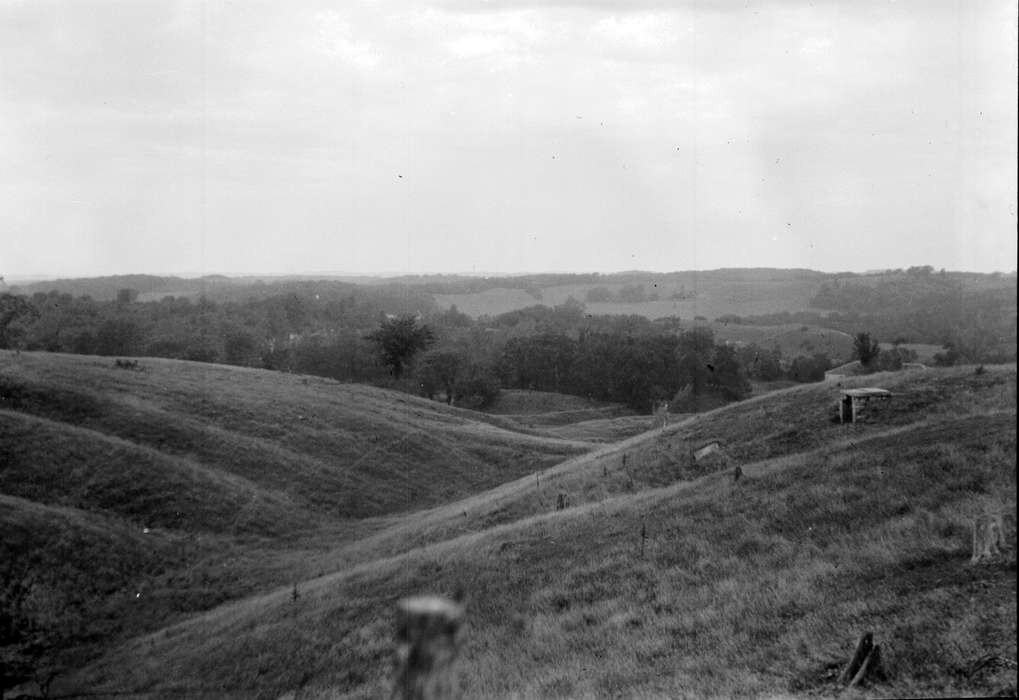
pixel 427 641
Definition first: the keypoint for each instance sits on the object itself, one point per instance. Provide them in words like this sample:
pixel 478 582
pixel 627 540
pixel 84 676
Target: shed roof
pixel 866 392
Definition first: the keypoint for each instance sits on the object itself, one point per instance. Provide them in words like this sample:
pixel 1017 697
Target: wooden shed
pixel 853 402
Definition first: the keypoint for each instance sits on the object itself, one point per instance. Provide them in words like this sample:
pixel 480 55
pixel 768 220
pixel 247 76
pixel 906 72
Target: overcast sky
pixel 505 136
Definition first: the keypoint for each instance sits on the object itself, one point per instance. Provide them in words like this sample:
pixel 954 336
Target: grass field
pixel 757 588
pixel 527 402
pixel 710 294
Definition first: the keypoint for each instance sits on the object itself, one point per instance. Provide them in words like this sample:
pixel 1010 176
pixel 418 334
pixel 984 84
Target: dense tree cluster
pixel 396 336
pixel 316 329
pixel 972 316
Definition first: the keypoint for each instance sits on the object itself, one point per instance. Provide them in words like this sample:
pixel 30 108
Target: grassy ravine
pixel 131 498
pixel 753 589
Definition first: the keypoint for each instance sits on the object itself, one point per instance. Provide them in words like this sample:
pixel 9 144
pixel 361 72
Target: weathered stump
pixel 871 667
pixel 427 641
pixel 988 537
pixel 866 662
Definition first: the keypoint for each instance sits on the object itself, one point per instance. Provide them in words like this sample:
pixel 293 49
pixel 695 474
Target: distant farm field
pixel 791 339
pixel 709 296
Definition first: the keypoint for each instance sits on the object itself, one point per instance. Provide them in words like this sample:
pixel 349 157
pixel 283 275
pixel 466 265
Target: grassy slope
pixel 792 340
pixel 333 450
pixel 527 402
pixel 243 479
pixel 750 589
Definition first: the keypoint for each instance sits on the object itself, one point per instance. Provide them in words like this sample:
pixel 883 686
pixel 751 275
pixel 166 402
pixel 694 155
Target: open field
pixel 527 402
pixel 745 589
pixel 709 294
pixel 791 339
pixel 707 303
pixel 925 352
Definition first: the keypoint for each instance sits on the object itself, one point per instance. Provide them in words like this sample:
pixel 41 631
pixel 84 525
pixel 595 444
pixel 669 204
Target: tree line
pixel 393 337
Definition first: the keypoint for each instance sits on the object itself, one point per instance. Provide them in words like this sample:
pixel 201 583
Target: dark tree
pixel 399 339
pixel 117 336
pixel 865 349
pixel 240 348
pixel 809 369
pixel 15 313
pixel 441 368
pixel 727 377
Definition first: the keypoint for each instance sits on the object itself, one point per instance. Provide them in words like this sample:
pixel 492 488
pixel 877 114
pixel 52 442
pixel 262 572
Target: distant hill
pixel 709 293
pixel 149 287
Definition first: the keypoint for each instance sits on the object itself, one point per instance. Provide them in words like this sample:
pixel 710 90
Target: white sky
pixel 505 136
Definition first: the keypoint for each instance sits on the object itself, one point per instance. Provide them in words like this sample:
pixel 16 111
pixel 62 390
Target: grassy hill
pixel 175 486
pixel 528 402
pixel 753 588
pixel 331 450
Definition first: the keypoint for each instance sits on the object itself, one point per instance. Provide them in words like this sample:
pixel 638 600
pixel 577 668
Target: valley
pixel 239 532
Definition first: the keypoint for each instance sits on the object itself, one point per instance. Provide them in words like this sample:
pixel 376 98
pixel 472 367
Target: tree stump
pixel 988 537
pixel 866 662
pixel 562 501
pixel 427 641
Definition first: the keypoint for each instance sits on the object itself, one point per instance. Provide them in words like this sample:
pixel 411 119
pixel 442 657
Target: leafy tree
pixel 479 389
pixel 950 356
pixel 727 377
pixel 765 365
pixel 118 336
pixel 696 347
pixel 543 362
pixel 15 314
pixel 809 369
pixel 866 349
pixel 399 339
pixel 441 368
pixel 454 318
pixel 240 347
pixel 892 360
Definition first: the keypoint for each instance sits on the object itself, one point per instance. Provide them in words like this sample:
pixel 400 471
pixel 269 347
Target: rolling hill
pixel 186 484
pixel 753 588
pixel 330 450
